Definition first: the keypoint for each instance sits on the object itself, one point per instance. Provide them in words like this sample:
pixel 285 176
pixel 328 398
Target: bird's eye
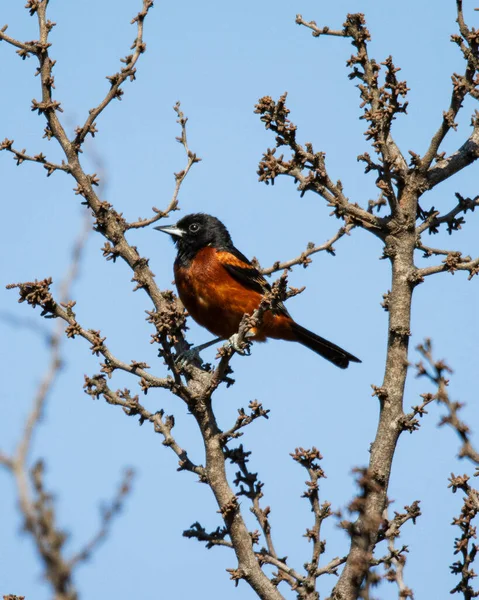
pixel 194 227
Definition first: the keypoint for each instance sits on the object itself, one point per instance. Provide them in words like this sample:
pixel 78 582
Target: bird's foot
pixel 193 354
pixel 189 356
pixel 243 347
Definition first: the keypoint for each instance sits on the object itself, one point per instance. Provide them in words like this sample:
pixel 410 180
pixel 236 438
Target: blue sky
pixel 218 59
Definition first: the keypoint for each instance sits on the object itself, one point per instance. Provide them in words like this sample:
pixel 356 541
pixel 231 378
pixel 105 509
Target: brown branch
pixel 275 117
pixel 463 157
pixel 217 538
pixel 249 486
pixel 107 221
pixel 116 80
pixel 20 156
pixel 462 85
pixel 179 177
pixel 97 386
pixel 38 293
pixel 464 546
pixel 303 259
pixel 363 533
pixel 213 538
pixel 168 315
pixel 332 567
pixel 25 48
pixel 309 459
pixel 285 573
pixel 395 561
pixel 229 507
pixel 381 104
pixel 317 31
pixel 453 262
pixel 257 412
pixel 410 421
pixel 436 371
pixel 402 191
pixel 41 522
pixel 433 220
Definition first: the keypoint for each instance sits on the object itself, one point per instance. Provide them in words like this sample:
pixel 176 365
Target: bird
pixel 218 285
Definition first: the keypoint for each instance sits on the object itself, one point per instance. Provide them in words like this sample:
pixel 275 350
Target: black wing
pixel 246 273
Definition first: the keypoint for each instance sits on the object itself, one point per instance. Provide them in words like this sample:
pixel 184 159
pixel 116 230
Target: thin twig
pixel 179 177
pixel 303 259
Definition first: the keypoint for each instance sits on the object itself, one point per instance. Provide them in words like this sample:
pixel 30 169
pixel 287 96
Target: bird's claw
pixel 234 343
pixel 187 357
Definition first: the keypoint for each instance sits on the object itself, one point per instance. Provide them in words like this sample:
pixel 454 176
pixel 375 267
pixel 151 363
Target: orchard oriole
pixel 217 285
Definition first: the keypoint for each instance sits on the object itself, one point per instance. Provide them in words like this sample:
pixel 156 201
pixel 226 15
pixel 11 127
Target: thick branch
pixel 465 156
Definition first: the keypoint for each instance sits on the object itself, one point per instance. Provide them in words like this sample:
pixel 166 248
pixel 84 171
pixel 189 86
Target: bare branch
pixel 25 48
pixel 275 117
pixel 20 156
pixel 309 459
pixel 38 293
pixel 462 85
pixel 213 538
pixel 97 386
pixel 465 156
pixel 433 221
pixel 383 102
pixel 454 261
pixel 179 177
pixel 464 546
pixel 436 371
pixel 303 259
pixel 116 80
pixel 257 411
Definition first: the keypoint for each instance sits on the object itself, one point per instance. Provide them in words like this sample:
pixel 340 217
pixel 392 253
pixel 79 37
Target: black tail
pixel 327 350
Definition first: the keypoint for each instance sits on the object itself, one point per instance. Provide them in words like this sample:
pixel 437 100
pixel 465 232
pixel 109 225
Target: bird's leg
pixel 233 343
pixel 193 354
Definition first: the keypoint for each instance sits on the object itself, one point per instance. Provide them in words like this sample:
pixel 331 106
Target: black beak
pixel 172 230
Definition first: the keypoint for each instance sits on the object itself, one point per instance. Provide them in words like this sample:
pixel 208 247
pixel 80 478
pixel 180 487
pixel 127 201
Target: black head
pixel 197 231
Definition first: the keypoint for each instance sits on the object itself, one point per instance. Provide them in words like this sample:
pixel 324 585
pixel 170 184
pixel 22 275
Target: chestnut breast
pixel 214 298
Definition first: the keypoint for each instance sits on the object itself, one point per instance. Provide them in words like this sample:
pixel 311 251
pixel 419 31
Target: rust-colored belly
pixel 220 306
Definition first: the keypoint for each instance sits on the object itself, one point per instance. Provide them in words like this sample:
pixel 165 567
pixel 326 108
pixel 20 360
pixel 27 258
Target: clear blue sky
pixel 218 59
